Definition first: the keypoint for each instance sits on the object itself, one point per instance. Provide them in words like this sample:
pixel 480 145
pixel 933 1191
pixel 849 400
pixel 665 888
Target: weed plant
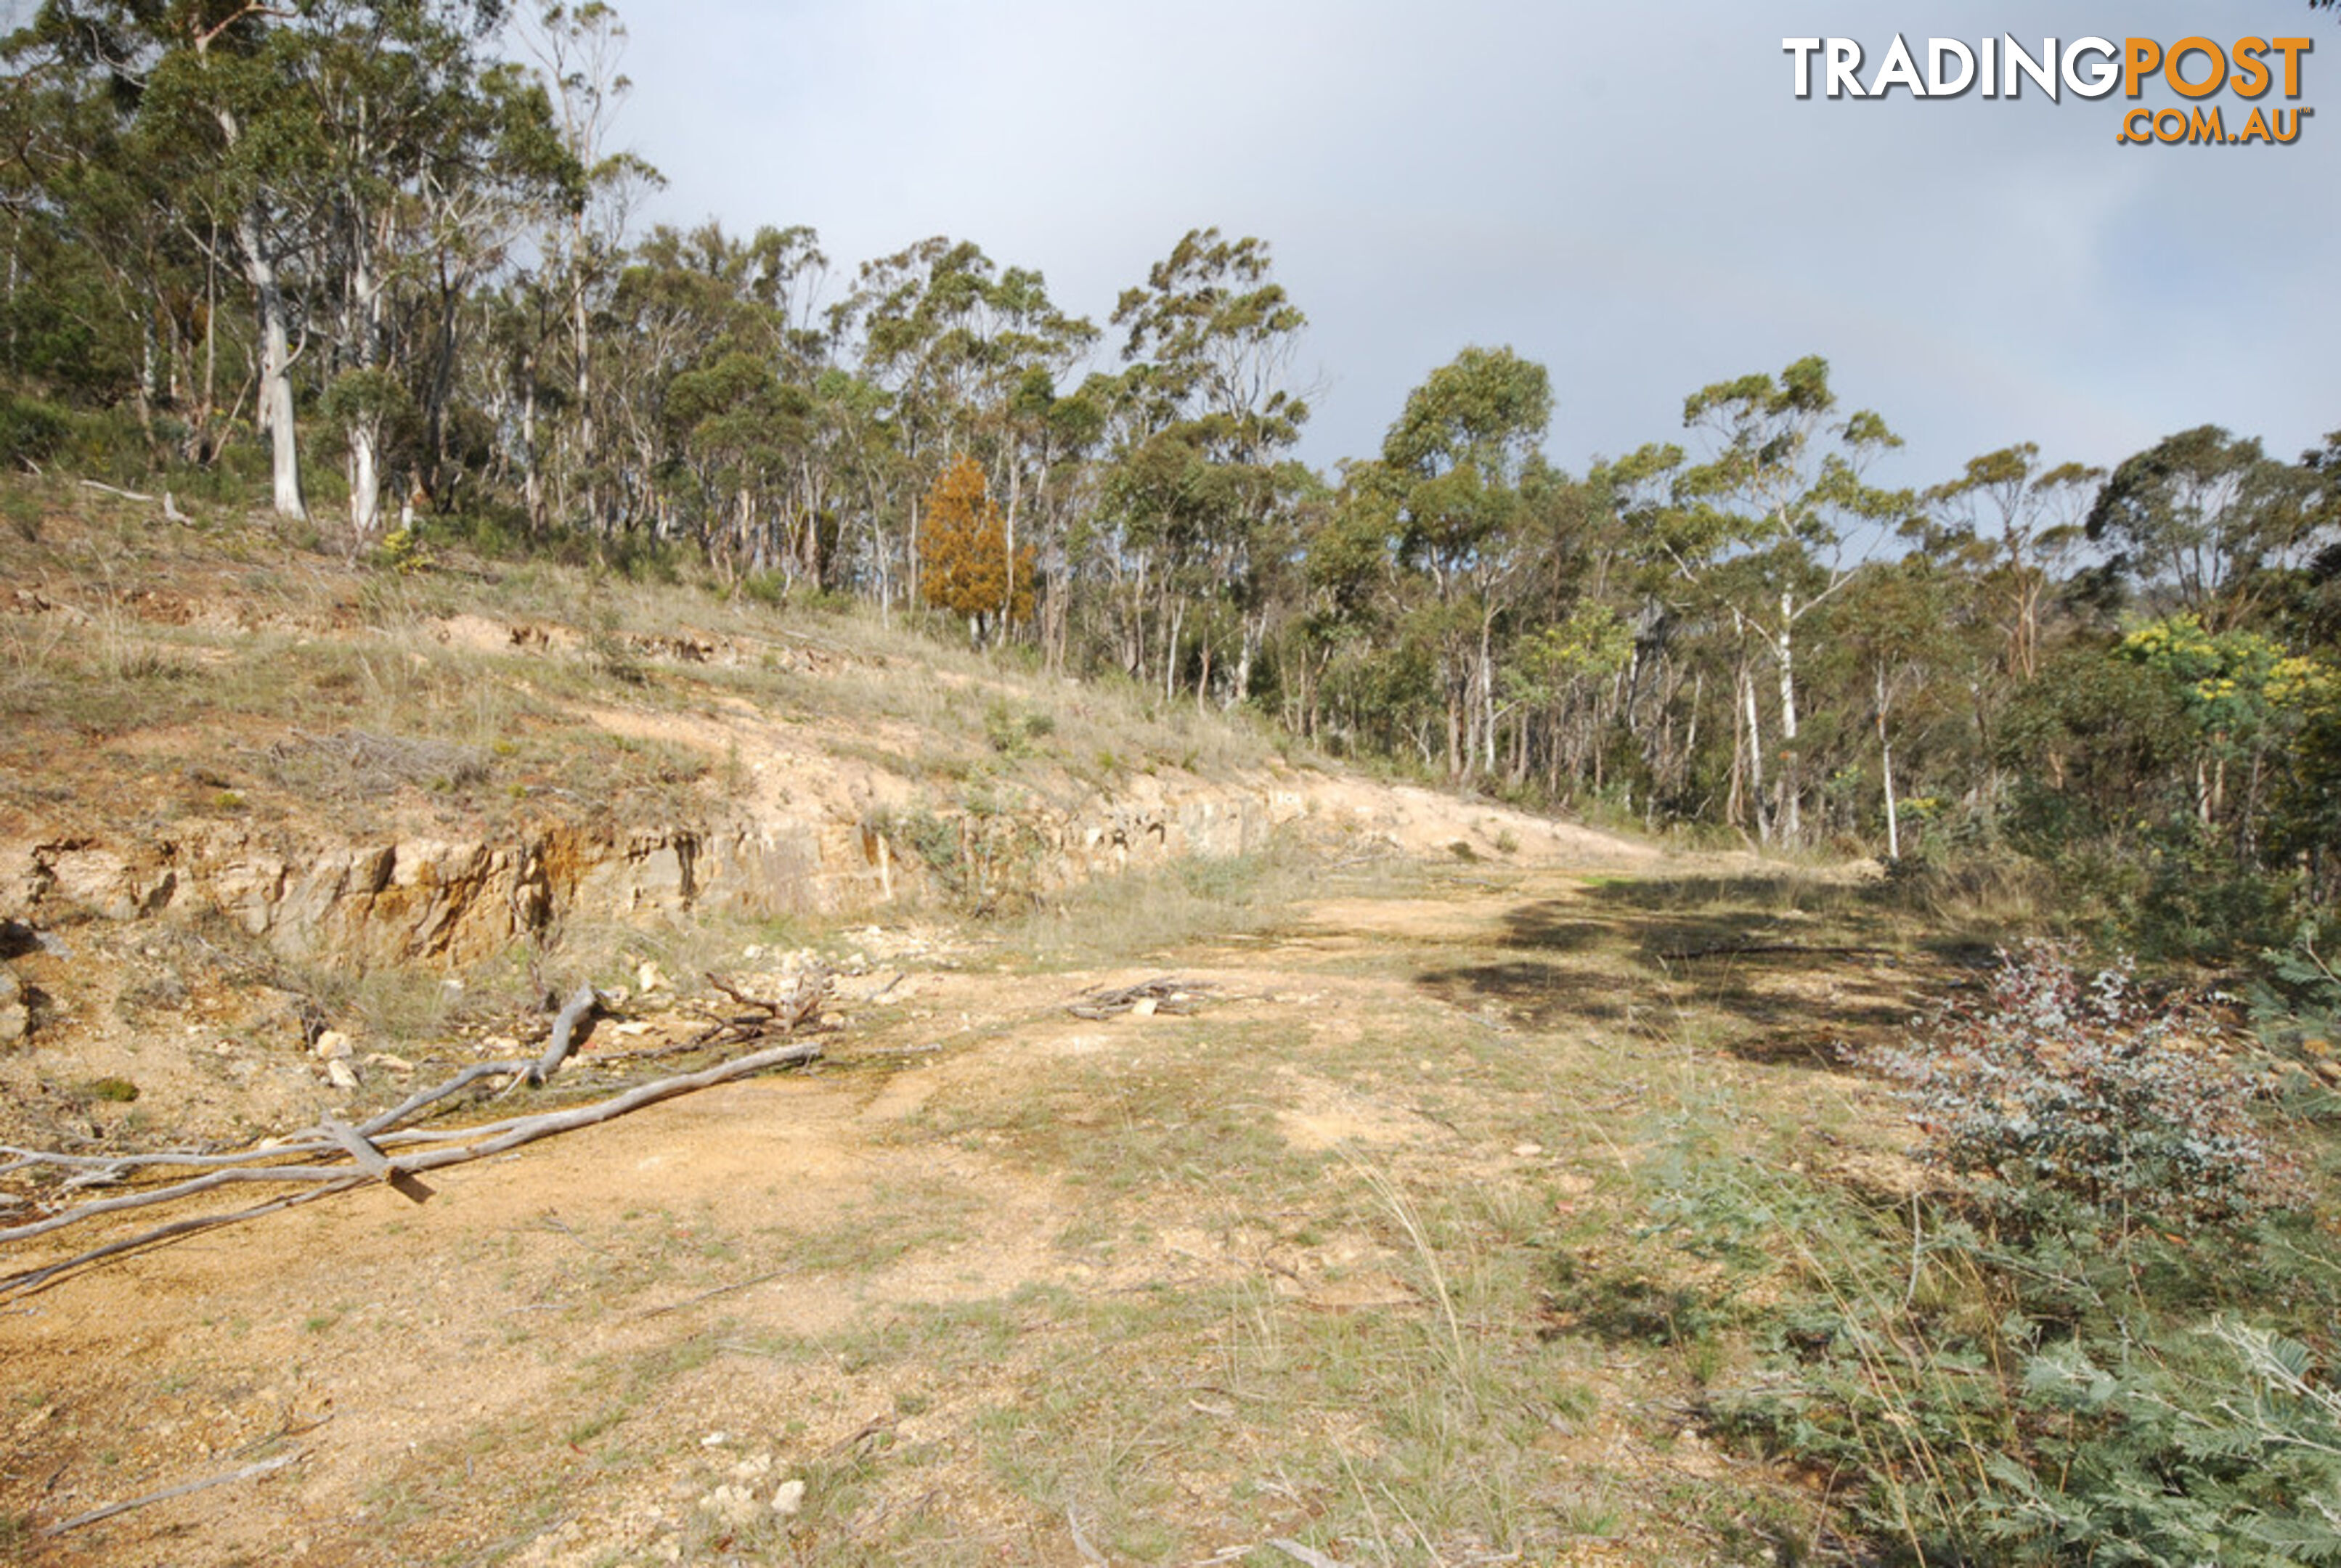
pixel 2099 1331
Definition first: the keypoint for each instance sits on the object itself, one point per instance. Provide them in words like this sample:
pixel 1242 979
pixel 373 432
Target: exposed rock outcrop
pixel 451 902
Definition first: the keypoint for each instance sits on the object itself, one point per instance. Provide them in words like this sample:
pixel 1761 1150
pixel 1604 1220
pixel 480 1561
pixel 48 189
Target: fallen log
pixel 582 1002
pixel 286 1174
pixel 528 1129
pixel 32 1279
pixel 372 1126
pixel 375 1163
pixel 185 1489
pixel 482 1142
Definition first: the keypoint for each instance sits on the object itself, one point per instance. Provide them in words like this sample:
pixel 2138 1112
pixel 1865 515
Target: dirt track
pixel 998 1284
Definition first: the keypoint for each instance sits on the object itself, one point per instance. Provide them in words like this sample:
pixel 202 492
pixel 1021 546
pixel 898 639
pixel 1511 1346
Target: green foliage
pixel 24 513
pixel 986 856
pixel 30 431
pixel 403 551
pixel 2227 1451
pixel 2058 1089
pixel 2076 1353
pixel 1012 731
pixel 2200 516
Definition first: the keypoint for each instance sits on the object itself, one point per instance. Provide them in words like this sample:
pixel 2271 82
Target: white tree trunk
pixel 1886 767
pixel 1488 692
pixel 1792 822
pixel 532 482
pixel 365 482
pixel 275 368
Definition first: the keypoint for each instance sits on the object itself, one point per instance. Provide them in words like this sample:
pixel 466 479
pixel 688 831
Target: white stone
pixel 789 1499
pixel 734 1506
pixel 15 1017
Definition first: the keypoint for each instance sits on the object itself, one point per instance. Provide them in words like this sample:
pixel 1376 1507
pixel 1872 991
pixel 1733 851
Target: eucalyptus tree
pixel 1899 621
pixel 1757 534
pixel 94 286
pixel 577 51
pixel 2014 521
pixel 2207 521
pixel 709 406
pixel 1459 455
pixel 358 161
pixel 437 159
pixel 968 357
pixel 1208 411
pixel 207 81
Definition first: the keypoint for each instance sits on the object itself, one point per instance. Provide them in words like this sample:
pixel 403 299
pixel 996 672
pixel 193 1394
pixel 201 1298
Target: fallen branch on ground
pixel 171 513
pixel 184 1488
pixel 1168 994
pixel 580 1006
pixel 732 1289
pixel 482 1142
pixel 800 1011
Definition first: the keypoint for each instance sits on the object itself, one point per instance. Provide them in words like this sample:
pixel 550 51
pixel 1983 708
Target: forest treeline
pixel 379 261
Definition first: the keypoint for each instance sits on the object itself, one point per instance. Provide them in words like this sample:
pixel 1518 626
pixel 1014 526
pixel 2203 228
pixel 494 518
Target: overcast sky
pixel 1630 194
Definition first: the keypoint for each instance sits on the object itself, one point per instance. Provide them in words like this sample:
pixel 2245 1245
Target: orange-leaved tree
pixel 965 564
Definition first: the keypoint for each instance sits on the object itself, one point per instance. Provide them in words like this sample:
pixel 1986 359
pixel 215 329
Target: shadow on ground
pixel 1792 970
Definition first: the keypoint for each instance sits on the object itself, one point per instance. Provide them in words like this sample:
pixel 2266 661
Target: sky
pixel 1631 195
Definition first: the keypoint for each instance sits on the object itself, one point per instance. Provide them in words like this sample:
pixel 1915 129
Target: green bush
pixel 2080 1347
pixel 2060 1087
pixel 30 431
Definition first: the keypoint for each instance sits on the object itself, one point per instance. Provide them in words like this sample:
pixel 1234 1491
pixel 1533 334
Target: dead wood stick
pixel 375 1163
pixel 183 1489
pixel 734 1287
pixel 872 1427
pixel 1080 1541
pixel 122 1165
pixel 165 1194
pixel 541 1124
pixel 32 1279
pixel 111 489
pixel 499 1136
pixel 374 1126
pixel 370 1159
pixel 1309 1555
pixel 733 990
pixel 581 1002
pixel 528 1129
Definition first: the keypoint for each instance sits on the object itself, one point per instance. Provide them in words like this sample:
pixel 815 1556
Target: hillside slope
pixel 252 793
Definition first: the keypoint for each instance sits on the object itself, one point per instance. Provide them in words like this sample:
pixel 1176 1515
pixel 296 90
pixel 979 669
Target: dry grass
pixel 278 679
pixel 1387 1264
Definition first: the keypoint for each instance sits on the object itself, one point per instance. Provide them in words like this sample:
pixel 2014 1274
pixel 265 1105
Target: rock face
pixel 450 902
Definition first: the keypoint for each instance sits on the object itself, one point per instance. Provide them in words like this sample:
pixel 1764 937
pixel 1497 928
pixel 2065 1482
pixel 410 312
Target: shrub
pixel 2055 1087
pixel 1012 731
pixel 29 431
